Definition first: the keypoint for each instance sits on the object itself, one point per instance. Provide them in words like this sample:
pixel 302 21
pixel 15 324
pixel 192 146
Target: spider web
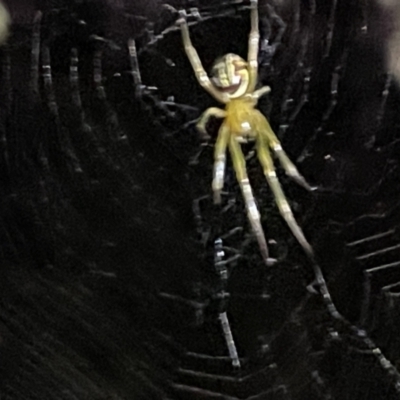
pixel 116 266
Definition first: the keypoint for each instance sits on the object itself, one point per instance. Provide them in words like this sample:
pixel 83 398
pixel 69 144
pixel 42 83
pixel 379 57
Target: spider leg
pixel 239 164
pixel 260 92
pixel 220 162
pixel 290 169
pixel 210 112
pixel 283 205
pixel 5 21
pixel 254 39
pixel 195 61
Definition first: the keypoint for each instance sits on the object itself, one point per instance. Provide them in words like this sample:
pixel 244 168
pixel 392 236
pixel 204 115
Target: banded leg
pixel 210 112
pixel 239 164
pixel 195 61
pixel 283 205
pixel 254 40
pixel 220 162
pixel 290 169
pixel 260 92
pixel 5 22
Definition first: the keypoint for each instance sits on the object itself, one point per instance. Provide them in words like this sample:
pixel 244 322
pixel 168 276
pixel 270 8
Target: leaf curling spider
pixel 233 83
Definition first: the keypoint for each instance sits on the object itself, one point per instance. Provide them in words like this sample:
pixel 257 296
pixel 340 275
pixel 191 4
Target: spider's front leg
pixel 220 161
pixel 280 198
pixel 273 142
pixel 239 164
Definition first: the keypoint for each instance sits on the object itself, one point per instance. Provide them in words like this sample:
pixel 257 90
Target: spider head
pixel 230 74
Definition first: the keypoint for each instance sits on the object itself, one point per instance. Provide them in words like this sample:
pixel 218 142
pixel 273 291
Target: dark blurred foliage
pixel 107 227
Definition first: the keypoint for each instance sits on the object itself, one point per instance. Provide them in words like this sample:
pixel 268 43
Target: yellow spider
pixel 233 83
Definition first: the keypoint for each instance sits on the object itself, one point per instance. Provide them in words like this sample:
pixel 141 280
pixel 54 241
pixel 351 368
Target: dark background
pixel 107 283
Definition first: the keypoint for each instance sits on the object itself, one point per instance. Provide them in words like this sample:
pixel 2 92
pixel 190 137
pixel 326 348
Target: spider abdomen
pixel 243 119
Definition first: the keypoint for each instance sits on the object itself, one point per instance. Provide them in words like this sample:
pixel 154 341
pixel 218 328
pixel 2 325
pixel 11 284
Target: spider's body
pixel 233 83
pixel 243 120
pixel 230 75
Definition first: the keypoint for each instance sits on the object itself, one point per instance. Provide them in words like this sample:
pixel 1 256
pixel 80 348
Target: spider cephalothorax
pixel 234 83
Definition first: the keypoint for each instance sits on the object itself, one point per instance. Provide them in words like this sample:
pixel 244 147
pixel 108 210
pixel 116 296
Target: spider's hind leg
pixel 280 198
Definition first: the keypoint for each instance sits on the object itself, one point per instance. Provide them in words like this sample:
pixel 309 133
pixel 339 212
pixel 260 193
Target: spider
pixel 233 83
